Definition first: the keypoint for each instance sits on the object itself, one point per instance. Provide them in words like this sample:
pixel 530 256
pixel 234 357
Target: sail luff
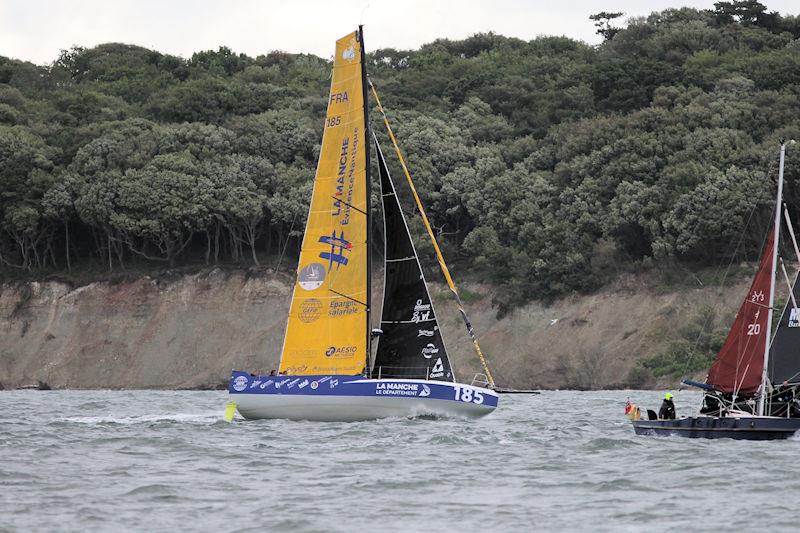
pixel 773 271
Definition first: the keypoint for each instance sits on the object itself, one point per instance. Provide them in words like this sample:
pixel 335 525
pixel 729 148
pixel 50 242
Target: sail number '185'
pixel 468 395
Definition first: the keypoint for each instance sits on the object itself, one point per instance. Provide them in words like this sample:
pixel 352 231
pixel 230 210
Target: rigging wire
pixel 704 329
pixel 708 319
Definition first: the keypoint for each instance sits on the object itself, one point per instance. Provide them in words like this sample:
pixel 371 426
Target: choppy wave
pixel 159 461
pixel 143 419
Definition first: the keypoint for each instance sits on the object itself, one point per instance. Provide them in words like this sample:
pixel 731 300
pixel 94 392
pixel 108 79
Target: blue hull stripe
pixel 335 385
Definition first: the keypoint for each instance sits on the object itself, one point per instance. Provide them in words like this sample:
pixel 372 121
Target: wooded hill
pixel 547 166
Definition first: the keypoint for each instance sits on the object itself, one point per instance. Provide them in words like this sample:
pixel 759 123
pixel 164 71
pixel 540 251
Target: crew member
pixel 667 411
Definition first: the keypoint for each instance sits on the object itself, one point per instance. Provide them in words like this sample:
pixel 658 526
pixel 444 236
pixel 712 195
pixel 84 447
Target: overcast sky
pixel 36 30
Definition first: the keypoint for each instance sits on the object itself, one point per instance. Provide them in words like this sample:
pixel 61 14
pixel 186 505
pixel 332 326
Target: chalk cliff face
pixel 189 331
pixel 186 332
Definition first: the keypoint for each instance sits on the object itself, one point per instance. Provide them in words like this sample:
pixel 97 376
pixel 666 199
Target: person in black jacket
pixel 667 411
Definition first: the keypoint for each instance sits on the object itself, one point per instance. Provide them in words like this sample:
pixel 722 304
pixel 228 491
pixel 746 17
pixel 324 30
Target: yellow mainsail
pixel 327 328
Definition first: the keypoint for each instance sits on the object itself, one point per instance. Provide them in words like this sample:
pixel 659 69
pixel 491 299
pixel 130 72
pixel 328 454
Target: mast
pixel 773 272
pixel 369 196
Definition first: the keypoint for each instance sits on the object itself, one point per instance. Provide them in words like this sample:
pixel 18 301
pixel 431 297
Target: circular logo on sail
pixel 349 53
pixel 240 383
pixel 311 276
pixel 429 351
pixel 310 310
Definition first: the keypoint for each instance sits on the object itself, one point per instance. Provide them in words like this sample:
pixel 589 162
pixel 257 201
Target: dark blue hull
pixel 707 427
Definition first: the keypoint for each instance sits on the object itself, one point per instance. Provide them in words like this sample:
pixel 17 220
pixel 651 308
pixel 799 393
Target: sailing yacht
pixel 327 370
pixel 752 390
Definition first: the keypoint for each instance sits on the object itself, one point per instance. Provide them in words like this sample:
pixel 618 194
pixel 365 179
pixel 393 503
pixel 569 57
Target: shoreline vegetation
pixel 550 169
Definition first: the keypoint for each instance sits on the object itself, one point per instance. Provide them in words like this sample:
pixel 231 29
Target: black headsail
pixel 411 345
pixel 784 359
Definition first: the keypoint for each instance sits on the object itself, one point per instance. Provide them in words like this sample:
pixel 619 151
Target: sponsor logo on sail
pixel 334 383
pixel 266 384
pixel 314 385
pixel 311 276
pixel 422 312
pixel 426 391
pixel 349 53
pixel 342 308
pixel 341 351
pixel 438 369
pixel 425 333
pixel 240 383
pixel 255 383
pixel 303 384
pixel 337 197
pixel 794 317
pixel 281 383
pixel 310 310
pixel 429 351
pixel 338 246
pixel 346 175
pixel 292 383
pixel 299 369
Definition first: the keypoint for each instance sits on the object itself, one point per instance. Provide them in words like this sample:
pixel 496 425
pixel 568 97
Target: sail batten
pixel 327 330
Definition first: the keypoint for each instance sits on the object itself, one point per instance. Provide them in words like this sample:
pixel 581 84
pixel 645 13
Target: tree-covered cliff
pixel 547 166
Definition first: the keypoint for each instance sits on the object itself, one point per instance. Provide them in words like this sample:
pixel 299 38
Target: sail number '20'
pixel 468 395
pixel 753 329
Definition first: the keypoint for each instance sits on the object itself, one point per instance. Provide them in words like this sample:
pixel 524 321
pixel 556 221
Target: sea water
pixel 166 461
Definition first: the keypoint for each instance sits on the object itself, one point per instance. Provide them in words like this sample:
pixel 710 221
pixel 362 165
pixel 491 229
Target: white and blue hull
pixel 331 398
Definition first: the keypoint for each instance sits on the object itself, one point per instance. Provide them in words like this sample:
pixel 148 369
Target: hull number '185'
pixel 468 395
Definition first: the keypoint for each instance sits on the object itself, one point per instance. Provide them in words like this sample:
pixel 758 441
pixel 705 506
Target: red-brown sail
pixel 740 362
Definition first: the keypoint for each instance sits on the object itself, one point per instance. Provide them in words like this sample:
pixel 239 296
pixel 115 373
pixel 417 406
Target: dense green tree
pixel 544 165
pixel 602 22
